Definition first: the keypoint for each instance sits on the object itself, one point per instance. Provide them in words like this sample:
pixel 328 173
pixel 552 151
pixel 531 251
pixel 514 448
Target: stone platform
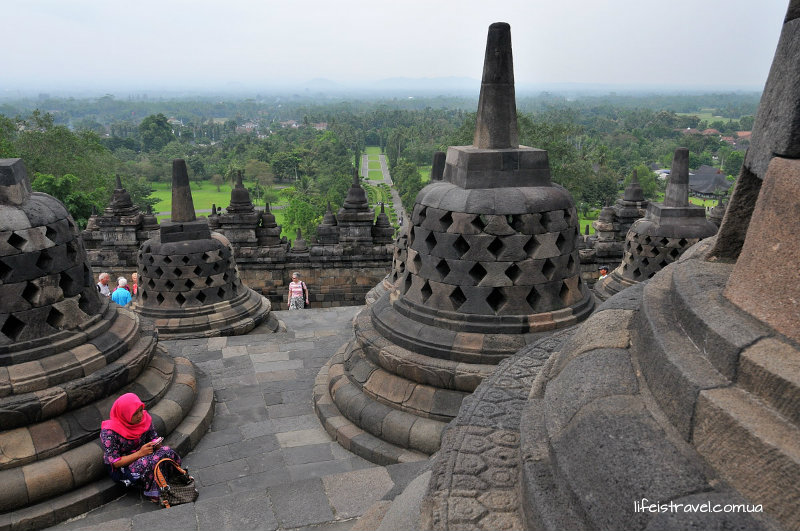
pixel 267 463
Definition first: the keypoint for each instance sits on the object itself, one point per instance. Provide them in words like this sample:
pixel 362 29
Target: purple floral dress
pixel 115 446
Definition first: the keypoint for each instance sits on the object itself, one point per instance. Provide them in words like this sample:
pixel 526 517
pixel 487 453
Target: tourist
pixel 122 294
pixel 297 288
pixel 135 288
pixel 131 446
pixel 603 272
pixel 102 285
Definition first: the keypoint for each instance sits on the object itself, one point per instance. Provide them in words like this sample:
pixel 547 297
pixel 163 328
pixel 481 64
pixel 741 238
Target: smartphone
pixel 157 441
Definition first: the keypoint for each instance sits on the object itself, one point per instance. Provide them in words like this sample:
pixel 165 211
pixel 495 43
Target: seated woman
pixel 131 445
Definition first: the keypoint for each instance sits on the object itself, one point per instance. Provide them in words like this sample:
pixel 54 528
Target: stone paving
pixel 266 463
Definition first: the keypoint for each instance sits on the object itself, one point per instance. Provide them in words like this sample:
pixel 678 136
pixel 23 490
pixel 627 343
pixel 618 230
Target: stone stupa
pixel 66 353
pixel 491 264
pixel 661 237
pixel 188 280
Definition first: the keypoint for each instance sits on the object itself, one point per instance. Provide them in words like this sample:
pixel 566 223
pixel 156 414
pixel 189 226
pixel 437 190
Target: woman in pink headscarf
pixel 131 445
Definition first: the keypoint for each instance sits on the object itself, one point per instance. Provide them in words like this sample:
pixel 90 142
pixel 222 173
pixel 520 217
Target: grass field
pixel 375 175
pixel 203 194
pixel 703 202
pixel 704 114
pixel 373 150
pixel 374 165
pixel 424 173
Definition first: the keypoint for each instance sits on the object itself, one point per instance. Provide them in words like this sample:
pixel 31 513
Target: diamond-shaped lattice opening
pixel 442 268
pixel 628 245
pixel 221 293
pixel 72 251
pixel 495 247
pixel 674 253
pixel 169 285
pixel 225 277
pixel 201 297
pixel 417 261
pixel 185 259
pixel 209 281
pixel 570 264
pixel 561 242
pixel 159 298
pixel 564 293
pixel 407 283
pixel 531 246
pixel 189 284
pixel 664 241
pixel 150 259
pixel 447 220
pixel 167 260
pixel 478 222
pixel 44 261
pixel 683 243
pixel 410 236
pixel 31 293
pixel 12 328
pixel 157 272
pixel 430 241
pixel 461 246
pixel 206 257
pixel 567 216
pixel 645 262
pixel 147 250
pixel 637 273
pixel 66 283
pixel 651 275
pixel 496 300
pixel 457 298
pixel 55 318
pixel 548 269
pixel 477 273
pixel 216 267
pixel 513 272
pixel 144 295
pixel 180 299
pixel 51 234
pixel 516 223
pixel 639 249
pixel 177 272
pixel 647 240
pixel 151 284
pixel 533 299
pixel 423 213
pixel 663 264
pixel 197 270
pixel 5 271
pixel 426 291
pixel 17 241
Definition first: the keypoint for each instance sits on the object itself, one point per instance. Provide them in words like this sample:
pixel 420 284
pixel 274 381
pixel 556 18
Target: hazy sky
pixel 196 44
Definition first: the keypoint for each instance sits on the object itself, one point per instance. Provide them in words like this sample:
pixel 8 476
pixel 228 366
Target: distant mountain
pixel 429 84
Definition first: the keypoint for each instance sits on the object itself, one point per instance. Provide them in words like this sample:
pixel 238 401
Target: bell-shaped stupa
pixel 491 265
pixel 188 280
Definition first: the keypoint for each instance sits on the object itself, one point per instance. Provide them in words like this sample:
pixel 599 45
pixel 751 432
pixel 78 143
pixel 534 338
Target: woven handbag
pixel 175 485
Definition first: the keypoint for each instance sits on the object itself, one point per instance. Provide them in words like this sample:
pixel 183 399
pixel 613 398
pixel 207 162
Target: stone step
pixel 718 329
pixel 184 413
pixel 350 436
pixel 770 369
pixel 754 448
pixel 671 362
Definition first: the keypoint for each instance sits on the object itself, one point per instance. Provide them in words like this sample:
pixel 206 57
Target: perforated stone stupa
pixel 661 237
pixel 188 280
pixel 66 353
pixel 491 265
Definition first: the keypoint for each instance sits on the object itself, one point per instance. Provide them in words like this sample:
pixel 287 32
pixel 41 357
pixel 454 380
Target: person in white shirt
pixel 102 286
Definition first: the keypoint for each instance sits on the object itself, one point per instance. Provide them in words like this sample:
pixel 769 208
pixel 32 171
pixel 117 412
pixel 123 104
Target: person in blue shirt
pixel 121 295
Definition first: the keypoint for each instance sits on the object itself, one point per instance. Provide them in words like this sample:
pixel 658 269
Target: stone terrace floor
pixel 267 463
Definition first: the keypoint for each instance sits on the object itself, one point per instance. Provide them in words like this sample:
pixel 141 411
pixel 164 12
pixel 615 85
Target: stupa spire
pixel 677 194
pixel 496 126
pixel 182 204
